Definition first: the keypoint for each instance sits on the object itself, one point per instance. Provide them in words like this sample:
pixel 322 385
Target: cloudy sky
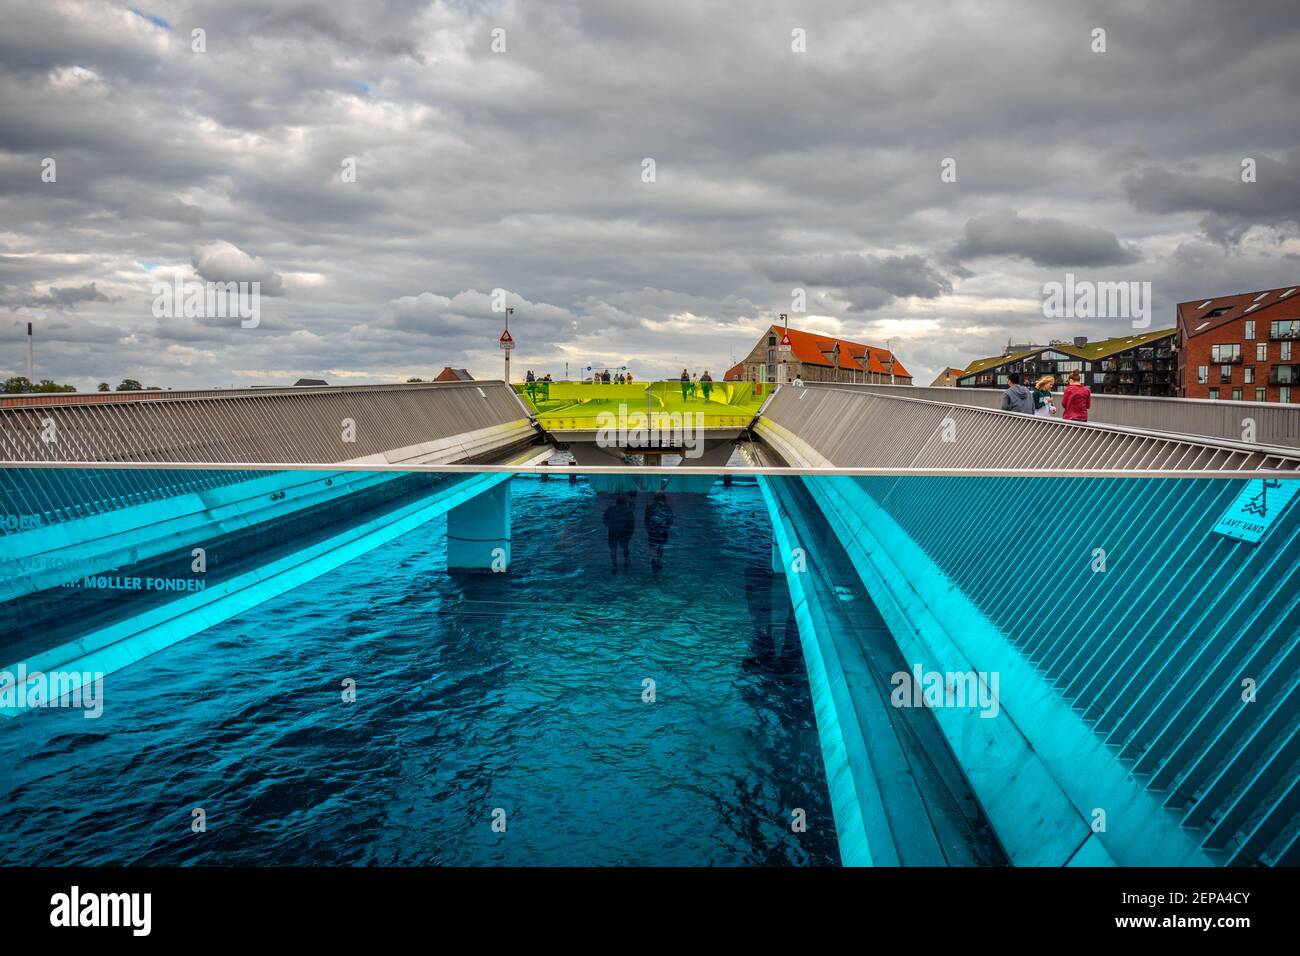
pixel 524 169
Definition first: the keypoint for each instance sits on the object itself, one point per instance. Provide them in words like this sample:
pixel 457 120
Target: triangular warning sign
pixel 505 336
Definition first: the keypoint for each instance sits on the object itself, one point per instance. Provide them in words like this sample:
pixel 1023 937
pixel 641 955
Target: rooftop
pixel 1091 351
pixel 1205 315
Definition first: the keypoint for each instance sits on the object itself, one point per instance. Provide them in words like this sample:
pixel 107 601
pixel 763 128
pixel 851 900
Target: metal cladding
pixel 823 426
pixel 1271 423
pixel 417 423
pixel 1163 653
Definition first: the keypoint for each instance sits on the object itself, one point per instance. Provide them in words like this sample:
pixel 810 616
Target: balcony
pixel 1284 330
pixel 1284 375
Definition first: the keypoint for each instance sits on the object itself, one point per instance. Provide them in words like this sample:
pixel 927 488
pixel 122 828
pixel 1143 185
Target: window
pixel 1214 393
pixel 1202 375
pixel 1284 394
pixel 1236 394
pixel 771 339
pixel 1225 353
pixel 1261 352
pixel 1249 372
pixel 1214 313
pixel 1284 350
pixel 1250 329
pixel 1002 380
pixel 1225 374
pixel 1285 329
pixel 1261 395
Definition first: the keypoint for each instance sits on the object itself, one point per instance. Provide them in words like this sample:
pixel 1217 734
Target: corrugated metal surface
pixel 1273 424
pixel 53 496
pixel 1156 649
pixel 250 426
pixel 850 427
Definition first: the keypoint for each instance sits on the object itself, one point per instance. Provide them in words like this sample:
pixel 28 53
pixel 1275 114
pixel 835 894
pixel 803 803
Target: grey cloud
pixel 870 281
pixel 224 262
pixel 60 299
pixel 1230 206
pixel 1044 242
pixel 521 170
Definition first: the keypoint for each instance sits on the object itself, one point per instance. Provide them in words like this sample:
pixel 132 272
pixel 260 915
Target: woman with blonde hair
pixel 1043 406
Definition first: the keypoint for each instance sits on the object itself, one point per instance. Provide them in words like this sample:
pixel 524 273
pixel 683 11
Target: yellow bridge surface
pixel 566 406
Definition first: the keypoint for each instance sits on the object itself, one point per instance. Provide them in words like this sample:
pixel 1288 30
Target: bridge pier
pixel 478 531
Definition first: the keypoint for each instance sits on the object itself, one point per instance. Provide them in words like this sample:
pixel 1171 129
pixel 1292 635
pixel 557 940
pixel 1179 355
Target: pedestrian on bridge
pixel 1043 407
pixel 686 384
pixel 706 383
pixel 1017 398
pixel 1077 399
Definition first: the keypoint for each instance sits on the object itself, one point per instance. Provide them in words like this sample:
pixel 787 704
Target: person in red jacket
pixel 1077 400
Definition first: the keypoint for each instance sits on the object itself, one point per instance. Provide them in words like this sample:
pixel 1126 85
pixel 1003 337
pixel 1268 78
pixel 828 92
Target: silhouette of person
pixel 658 519
pixel 620 521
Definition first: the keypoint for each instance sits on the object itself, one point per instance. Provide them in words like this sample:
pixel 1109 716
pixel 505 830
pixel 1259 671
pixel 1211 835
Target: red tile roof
pixel 736 373
pixel 813 348
pixel 1194 316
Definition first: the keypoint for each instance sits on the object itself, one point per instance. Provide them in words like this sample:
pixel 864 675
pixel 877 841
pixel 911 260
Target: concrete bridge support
pixel 478 532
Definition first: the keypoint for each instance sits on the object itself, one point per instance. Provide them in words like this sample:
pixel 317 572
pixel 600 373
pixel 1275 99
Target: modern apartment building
pixel 1241 347
pixel 1139 364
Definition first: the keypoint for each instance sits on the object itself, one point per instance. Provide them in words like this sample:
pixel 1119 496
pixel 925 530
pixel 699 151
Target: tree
pixel 105 387
pixel 47 385
pixel 411 381
pixel 130 385
pixel 17 385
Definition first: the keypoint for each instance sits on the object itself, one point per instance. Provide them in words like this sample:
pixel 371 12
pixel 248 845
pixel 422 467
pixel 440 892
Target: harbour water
pixel 520 699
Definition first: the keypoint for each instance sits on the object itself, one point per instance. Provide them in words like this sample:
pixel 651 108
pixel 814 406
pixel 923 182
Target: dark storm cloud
pixel 1270 196
pixel 65 299
pixel 869 281
pixel 522 170
pixel 1045 242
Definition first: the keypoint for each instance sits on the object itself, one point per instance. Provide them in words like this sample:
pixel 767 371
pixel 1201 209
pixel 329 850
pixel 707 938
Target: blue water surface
pixel 520 693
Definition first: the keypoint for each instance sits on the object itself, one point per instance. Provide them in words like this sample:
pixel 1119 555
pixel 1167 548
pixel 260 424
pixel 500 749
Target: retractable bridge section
pixel 1144 651
pixel 423 423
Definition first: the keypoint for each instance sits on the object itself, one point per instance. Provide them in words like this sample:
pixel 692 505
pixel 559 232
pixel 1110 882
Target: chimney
pixel 1080 341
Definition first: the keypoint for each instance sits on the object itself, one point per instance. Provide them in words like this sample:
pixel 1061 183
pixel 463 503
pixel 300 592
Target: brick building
pixel 1241 347
pixel 1139 364
pixel 817 358
pixel 947 378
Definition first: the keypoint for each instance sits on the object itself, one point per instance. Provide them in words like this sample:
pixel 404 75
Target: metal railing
pixel 311 425
pixel 857 427
pixel 1269 423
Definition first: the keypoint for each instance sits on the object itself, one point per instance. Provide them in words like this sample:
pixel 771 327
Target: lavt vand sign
pixel 1256 508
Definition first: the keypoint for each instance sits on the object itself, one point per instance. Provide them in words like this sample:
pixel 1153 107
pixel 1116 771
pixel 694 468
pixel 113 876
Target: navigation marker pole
pixel 507 344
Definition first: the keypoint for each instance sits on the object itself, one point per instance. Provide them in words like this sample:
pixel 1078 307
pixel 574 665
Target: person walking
pixel 706 384
pixel 686 383
pixel 658 519
pixel 1017 398
pixel 1043 407
pixel 1077 399
pixel 620 522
